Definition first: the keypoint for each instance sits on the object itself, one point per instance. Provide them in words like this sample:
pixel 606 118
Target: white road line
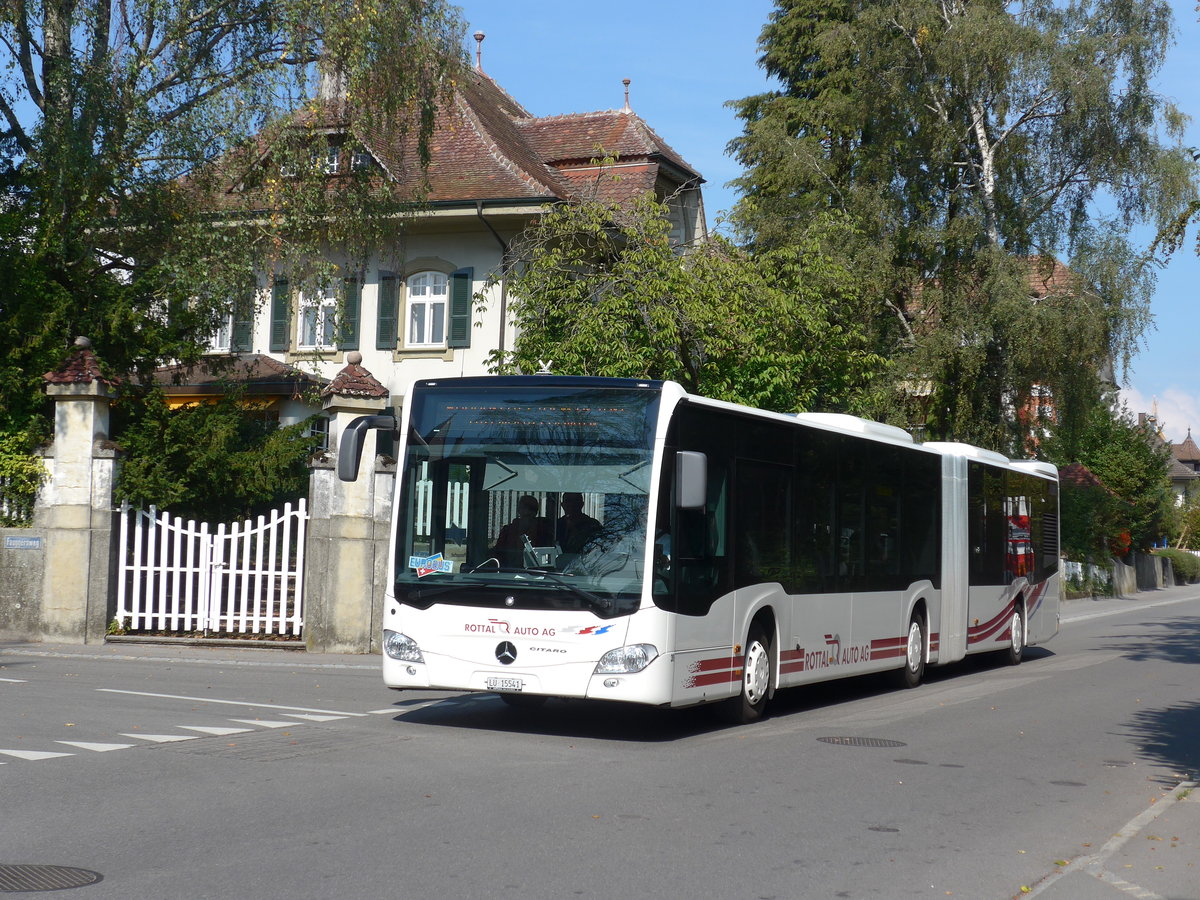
pixel 328 712
pixel 34 754
pixel 162 738
pixel 15 680
pixel 214 731
pixel 311 718
pixel 267 723
pixel 1094 865
pixel 98 748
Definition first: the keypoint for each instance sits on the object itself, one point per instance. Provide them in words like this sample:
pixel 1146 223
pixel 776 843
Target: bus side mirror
pixel 691 479
pixel 350 444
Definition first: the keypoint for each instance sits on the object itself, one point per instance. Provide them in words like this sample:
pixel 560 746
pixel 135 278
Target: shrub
pixel 1186 565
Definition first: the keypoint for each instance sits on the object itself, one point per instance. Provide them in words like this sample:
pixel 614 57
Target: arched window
pixel 427 295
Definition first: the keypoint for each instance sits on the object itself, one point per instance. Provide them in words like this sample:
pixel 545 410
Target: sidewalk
pixel 224 654
pixel 1094 607
pixel 1156 855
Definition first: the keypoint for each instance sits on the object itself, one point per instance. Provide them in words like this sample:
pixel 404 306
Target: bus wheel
pixel 756 679
pixel 914 656
pixel 1016 627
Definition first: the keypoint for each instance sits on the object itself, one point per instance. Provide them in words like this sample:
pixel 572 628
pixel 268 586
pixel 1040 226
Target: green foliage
pixel 21 476
pixel 211 461
pixel 1186 565
pixel 1091 519
pixel 122 126
pixel 1132 463
pixel 966 142
pixel 603 292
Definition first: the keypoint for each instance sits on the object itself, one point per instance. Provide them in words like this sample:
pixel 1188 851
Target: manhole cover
pixel 44 878
pixel 861 742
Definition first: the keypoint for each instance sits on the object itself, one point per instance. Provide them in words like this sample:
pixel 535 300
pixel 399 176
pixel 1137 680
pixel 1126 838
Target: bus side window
pixel 700 544
pixel 814 530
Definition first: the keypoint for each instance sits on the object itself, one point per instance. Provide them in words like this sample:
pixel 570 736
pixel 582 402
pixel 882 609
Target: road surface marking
pixel 328 712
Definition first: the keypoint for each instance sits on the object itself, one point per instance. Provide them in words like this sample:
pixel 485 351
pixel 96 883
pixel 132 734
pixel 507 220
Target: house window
pixel 327 162
pixel 427 295
pixel 221 340
pixel 318 320
pixel 319 428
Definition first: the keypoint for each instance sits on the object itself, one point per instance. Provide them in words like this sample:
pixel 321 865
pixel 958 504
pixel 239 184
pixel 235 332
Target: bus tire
pixel 749 705
pixel 914 654
pixel 1016 627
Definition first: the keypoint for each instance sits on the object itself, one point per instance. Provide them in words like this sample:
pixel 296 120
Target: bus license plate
pixel 505 684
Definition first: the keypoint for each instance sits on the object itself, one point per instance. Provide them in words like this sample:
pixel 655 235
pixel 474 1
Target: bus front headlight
pixel 626 660
pixel 402 647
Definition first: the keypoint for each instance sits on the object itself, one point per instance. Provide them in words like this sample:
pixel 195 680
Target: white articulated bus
pixel 625 540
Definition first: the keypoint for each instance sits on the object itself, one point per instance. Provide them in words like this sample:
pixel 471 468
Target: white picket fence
pixel 236 579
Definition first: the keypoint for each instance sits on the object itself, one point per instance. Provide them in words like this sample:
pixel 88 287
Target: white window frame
pixel 222 339
pixel 315 326
pixel 426 309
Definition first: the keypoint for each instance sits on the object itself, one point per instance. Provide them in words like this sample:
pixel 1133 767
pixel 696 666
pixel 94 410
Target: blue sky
pixel 686 59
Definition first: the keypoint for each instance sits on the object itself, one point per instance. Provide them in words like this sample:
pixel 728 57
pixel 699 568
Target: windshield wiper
pixel 599 604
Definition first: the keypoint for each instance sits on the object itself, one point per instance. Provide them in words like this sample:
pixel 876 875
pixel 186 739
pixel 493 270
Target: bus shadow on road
pixel 582 719
pixel 601 720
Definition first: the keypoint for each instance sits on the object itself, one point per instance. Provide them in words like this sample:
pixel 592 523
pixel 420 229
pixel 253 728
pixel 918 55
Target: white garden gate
pixel 244 578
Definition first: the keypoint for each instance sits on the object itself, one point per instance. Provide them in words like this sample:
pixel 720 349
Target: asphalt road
pixel 198 772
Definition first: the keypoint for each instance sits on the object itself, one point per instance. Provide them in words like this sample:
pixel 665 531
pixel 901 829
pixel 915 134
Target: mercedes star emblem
pixel 506 653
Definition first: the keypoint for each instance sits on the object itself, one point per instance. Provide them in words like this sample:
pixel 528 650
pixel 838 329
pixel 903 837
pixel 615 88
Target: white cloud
pixel 1178 410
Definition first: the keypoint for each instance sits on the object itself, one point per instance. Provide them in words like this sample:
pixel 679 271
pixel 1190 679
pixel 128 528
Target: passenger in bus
pixel 575 527
pixel 511 543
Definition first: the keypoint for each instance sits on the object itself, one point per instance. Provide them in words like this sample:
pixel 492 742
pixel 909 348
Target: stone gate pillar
pixel 346 558
pixel 75 506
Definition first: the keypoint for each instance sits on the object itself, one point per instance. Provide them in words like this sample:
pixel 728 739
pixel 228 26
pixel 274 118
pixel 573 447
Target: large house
pixel 410 312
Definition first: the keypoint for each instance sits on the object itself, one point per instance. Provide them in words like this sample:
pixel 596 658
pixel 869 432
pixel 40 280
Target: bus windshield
pixel 526 497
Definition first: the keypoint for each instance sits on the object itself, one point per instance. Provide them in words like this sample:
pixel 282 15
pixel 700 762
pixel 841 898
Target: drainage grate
pixel 861 742
pixel 44 878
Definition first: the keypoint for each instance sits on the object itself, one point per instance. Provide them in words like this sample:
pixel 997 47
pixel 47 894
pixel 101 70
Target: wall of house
pixel 465 245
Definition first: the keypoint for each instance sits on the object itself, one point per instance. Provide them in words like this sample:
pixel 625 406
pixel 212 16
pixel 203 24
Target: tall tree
pixel 970 141
pixel 113 115
pixel 604 292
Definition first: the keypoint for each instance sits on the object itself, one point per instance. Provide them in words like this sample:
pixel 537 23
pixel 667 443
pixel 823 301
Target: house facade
pixel 435 301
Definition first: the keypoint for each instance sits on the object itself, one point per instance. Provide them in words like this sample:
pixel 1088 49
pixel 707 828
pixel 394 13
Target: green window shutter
pixel 389 297
pixel 243 321
pixel 351 307
pixel 459 332
pixel 281 316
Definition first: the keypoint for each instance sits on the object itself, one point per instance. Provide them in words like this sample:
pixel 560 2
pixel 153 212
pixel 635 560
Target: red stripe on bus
pixel 708 665
pixel 713 678
pixel 977 633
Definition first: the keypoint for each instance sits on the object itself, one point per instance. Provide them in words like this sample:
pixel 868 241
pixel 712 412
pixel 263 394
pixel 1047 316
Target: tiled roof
pixel 1079 475
pixel 81 367
pixel 1187 451
pixel 354 381
pixel 486 146
pixel 259 374
pixel 1178 471
pixel 1049 276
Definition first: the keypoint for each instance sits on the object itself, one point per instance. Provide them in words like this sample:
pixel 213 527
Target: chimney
pixel 479 36
pixel 332 81
pixel 626 109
